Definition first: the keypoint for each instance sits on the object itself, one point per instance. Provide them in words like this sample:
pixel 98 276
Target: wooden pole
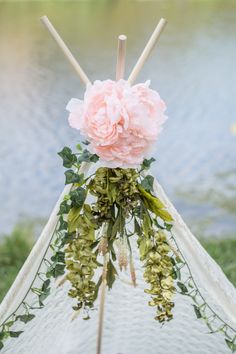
pixel 65 50
pixel 102 306
pixel 147 50
pixel 121 51
pixel 120 68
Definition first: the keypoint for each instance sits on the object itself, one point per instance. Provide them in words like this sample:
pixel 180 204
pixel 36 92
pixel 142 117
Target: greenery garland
pixel 122 208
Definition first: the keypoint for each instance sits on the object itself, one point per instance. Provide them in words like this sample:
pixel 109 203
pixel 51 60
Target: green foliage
pixel 73 219
pixel 15 334
pixel 182 287
pixel 114 187
pixel 14 249
pixel 72 177
pixel 118 197
pixel 54 270
pixel 77 197
pixel 25 318
pixel 159 269
pixel 69 159
pixel 231 345
pixel 154 204
pixel 81 263
pixel 197 311
pixel 223 252
pixel 74 160
pixel 147 183
pixel 147 163
pixel 86 156
pixel 111 274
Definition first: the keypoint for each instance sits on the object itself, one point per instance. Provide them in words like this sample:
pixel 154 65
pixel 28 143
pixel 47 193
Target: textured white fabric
pixel 218 290
pixel 27 273
pixel 129 326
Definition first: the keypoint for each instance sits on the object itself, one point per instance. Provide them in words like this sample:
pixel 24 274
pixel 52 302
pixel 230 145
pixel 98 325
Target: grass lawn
pixel 224 253
pixel 14 249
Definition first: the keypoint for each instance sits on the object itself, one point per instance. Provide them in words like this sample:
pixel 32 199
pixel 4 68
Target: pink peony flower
pixel 121 121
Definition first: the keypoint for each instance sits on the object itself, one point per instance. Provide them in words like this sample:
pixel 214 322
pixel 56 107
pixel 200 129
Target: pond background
pixel 193 69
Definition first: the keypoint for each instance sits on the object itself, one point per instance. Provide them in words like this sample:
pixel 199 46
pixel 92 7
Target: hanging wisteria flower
pixel 120 121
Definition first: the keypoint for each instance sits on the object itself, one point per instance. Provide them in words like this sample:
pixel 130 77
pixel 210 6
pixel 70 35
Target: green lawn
pixel 224 252
pixel 14 249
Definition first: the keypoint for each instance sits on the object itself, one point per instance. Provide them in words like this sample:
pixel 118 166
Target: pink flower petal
pixel 121 121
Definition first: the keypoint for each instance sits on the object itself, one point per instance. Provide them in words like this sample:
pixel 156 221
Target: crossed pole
pixel 120 69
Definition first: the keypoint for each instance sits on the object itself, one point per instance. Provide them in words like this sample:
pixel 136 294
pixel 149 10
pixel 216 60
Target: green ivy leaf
pixel 147 163
pixel 2 335
pixel 182 287
pixel 72 177
pixel 86 142
pixel 209 326
pixel 67 237
pixel 59 270
pixel 15 334
pixel 9 324
pixel 86 156
pixel 68 157
pixel 94 158
pixel 64 208
pixel 78 197
pixel 62 224
pixel 197 311
pixel 147 183
pixel 1 345
pixel 45 285
pixel 55 271
pixel 174 275
pixel 45 294
pixel 58 257
pixel 168 226
pixel 178 273
pixel 26 318
pixel 231 345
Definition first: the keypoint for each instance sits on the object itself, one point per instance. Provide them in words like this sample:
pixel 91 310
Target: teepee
pixel 36 315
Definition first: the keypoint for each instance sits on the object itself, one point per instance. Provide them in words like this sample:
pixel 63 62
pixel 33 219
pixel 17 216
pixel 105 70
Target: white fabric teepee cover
pixel 129 327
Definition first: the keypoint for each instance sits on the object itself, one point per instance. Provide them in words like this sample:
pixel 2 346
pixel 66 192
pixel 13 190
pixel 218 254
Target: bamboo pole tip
pixel 122 37
pixel 43 18
pixel 163 21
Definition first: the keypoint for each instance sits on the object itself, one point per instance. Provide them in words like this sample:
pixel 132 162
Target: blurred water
pixel 193 68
